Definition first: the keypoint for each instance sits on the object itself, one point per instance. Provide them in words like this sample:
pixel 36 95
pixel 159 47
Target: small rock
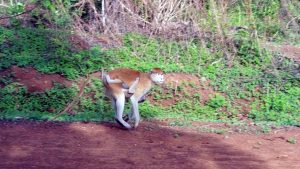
pixel 282 156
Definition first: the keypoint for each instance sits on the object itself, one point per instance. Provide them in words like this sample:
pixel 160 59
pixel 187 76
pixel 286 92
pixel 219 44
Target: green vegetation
pixel 278 99
pixel 234 61
pixel 48 51
pixel 279 106
pixel 291 140
pixel 16 102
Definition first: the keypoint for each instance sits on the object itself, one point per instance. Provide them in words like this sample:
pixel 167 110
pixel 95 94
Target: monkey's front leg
pixel 135 110
pixel 130 116
pixel 133 86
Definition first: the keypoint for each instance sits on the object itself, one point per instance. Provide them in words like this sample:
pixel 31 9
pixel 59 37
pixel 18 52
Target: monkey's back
pixel 126 75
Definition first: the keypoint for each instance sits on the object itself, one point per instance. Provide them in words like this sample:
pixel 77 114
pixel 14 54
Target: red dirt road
pixel 93 145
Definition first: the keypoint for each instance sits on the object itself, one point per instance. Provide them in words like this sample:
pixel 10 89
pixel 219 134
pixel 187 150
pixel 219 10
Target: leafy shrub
pixel 248 49
pixel 15 97
pixel 48 52
pixel 11 96
pixel 217 101
pixel 252 75
pixel 144 53
pixel 278 106
pixel 263 17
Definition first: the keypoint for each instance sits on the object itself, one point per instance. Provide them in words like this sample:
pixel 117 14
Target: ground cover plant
pixel 277 99
pixel 227 55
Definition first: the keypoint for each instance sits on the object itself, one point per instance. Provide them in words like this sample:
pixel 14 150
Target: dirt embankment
pixel 89 145
pixel 292 52
pixel 33 80
pixel 177 85
pixel 36 81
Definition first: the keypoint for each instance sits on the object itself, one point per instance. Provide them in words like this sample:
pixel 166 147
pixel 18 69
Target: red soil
pixel 152 145
pixel 292 52
pixel 90 145
pixel 33 80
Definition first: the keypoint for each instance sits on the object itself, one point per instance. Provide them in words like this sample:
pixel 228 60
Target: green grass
pixel 17 103
pixel 49 51
pixel 269 84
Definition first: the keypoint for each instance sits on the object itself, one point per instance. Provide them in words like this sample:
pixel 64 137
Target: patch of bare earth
pixel 292 52
pixel 192 86
pixel 33 80
pixel 94 145
pixel 182 85
pixel 178 85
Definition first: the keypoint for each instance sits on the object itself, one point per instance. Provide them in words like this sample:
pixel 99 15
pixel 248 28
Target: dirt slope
pixel 88 145
pixel 292 52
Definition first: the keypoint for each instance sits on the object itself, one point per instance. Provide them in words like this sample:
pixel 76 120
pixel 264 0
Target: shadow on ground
pixel 89 145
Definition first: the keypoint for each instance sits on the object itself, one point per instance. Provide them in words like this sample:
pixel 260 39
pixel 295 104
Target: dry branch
pixel 75 100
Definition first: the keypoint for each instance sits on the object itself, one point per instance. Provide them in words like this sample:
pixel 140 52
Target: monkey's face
pixel 157 78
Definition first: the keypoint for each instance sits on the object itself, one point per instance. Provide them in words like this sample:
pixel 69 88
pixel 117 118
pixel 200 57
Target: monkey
pixel 124 83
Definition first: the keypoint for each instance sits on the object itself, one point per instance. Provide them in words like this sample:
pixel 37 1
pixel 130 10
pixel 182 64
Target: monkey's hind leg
pixel 120 102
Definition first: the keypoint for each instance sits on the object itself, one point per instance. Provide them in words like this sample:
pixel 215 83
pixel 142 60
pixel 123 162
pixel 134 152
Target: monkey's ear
pixel 157 70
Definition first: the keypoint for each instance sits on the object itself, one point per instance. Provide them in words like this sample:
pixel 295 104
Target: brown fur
pixel 128 76
pixel 157 70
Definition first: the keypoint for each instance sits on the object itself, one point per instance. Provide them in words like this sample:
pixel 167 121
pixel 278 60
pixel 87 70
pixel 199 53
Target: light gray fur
pixel 120 103
pixel 157 78
pixel 135 111
pixel 109 80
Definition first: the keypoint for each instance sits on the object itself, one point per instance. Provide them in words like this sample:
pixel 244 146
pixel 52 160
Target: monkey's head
pixel 157 76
